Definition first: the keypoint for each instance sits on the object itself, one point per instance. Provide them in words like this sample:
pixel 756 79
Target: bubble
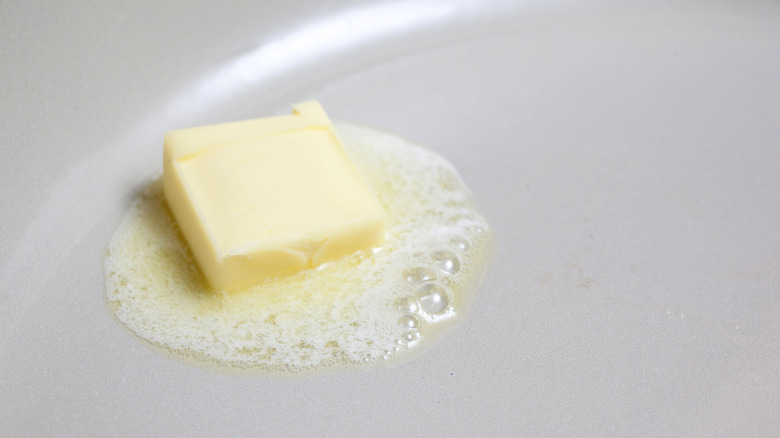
pixel 460 243
pixel 446 261
pixel 407 304
pixel 410 322
pixel 419 274
pixel 410 337
pixel 434 299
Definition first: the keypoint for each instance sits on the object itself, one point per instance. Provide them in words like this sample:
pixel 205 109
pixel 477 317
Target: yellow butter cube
pixel 266 197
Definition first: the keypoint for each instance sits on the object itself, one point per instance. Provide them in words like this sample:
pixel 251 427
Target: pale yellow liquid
pixel 342 314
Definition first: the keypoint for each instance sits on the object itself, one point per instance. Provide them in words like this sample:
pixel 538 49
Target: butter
pixel 267 197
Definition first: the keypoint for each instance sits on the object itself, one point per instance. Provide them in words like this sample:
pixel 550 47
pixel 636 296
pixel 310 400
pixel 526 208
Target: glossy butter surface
pixel 266 197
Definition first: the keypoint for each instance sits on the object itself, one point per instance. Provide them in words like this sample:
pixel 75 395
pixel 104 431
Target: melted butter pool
pixel 373 308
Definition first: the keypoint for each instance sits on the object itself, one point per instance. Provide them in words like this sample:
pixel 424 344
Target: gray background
pixel 627 157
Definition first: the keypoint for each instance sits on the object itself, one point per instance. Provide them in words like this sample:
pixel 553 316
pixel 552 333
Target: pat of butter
pixel 266 197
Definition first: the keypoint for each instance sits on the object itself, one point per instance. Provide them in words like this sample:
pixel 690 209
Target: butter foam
pixel 373 307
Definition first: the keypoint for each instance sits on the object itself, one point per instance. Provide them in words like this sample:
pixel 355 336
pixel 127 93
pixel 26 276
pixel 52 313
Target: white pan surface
pixel 627 158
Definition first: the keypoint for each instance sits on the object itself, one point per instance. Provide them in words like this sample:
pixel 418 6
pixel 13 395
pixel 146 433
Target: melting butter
pixel 373 307
pixel 264 197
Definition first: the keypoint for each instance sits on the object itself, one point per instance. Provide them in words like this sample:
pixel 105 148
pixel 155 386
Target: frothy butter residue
pixel 373 307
